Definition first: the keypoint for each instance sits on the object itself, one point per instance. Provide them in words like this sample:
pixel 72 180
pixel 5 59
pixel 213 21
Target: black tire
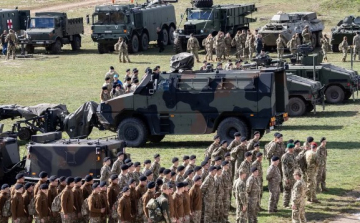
pixel 76 43
pixel 133 44
pixel 171 35
pixel 347 95
pixel 229 126
pixel 102 48
pixel 335 48
pixel 166 36
pixel 25 134
pixel 56 47
pixel 110 48
pixel 297 107
pixel 144 42
pixel 133 131
pixel 155 138
pixel 203 3
pixel 179 47
pixel 30 49
pixel 309 108
pixel 334 94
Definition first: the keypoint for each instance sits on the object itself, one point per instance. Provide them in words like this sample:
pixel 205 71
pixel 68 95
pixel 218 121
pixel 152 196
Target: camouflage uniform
pixel 356 43
pixel 116 167
pixel 292 45
pixel 307 36
pixel 227 184
pixel 211 149
pixel 274 177
pixel 298 199
pixel 280 46
pixel 238 154
pixel 245 166
pixel 155 168
pixel 219 47
pixel 220 193
pixel 193 46
pixel 105 173
pixel 250 145
pixel 258 165
pixel 123 180
pixel 312 163
pixel 241 199
pixel 218 152
pixel 321 176
pixel 236 41
pixel 277 149
pixel 288 168
pixel 325 46
pixel 253 190
pixel 208 190
pixel 208 43
pixel 123 50
pixel 249 44
pixel 243 38
pixel 11 40
pixel 227 40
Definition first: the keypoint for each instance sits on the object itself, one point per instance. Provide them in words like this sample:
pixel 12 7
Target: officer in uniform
pixel 241 198
pixel 52 193
pixel 124 207
pixel 258 164
pixel 288 167
pixel 4 196
pixel 208 190
pixel 78 199
pixel 116 167
pixel 28 195
pixel 105 171
pixel 155 166
pixel 307 35
pixel 246 164
pixel 17 205
pixel 10 39
pixel 321 176
pixel 208 43
pixel 196 200
pixel 312 165
pixel 42 204
pixel 193 46
pixel 43 179
pixel 164 204
pixel 273 176
pixel 67 202
pixel 150 193
pixel 253 190
pixel 238 154
pixel 95 207
pixel 122 47
pixel 298 199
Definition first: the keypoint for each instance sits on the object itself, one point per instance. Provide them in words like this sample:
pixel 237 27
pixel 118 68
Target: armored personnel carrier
pixel 13 19
pixel 135 23
pixel 206 18
pixel 348 27
pixel 198 102
pixel 288 24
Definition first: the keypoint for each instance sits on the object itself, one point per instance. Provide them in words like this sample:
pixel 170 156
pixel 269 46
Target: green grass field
pixel 74 78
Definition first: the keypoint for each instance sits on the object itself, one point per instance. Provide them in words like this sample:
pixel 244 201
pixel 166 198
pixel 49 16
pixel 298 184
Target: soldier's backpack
pixel 154 209
pixel 31 207
pixel 85 208
pixel 6 210
pixel 114 213
pixel 56 204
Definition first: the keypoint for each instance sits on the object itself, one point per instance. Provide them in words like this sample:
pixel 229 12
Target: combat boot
pixel 323 187
pixel 315 201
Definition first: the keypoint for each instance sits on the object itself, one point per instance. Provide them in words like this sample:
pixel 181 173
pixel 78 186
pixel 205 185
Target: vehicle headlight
pixel 202 31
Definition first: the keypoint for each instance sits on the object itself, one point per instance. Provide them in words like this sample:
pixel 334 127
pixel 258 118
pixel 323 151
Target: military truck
pixel 209 19
pixel 339 83
pixel 52 30
pixel 198 102
pixel 137 24
pixel 13 19
pixel 288 24
pixel 69 157
pixel 348 27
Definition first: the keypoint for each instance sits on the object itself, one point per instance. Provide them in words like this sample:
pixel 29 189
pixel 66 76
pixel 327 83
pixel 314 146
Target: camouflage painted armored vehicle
pixel 135 23
pixel 198 102
pixel 69 157
pixel 288 24
pixel 52 30
pixel 348 27
pixel 13 19
pixel 205 19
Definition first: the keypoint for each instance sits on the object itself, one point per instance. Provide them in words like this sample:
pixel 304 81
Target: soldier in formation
pixel 219 45
pixel 122 47
pixel 193 46
pixel 208 44
pixel 228 41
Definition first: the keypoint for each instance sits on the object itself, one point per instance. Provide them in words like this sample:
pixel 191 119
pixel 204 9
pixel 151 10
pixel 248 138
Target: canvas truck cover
pixel 12 111
pixel 181 61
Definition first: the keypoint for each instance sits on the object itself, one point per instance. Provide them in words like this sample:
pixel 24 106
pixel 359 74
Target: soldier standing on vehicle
pixel 325 47
pixel 306 35
pixel 227 40
pixel 292 45
pixel 3 42
pixel 241 198
pixel 321 176
pixel 273 177
pixel 312 165
pixel 105 170
pixel 356 44
pixel 122 47
pixel 280 46
pixel 288 168
pixel 11 44
pixel 298 199
pixel 208 44
pixel 208 190
pixel 193 46
pixel 253 190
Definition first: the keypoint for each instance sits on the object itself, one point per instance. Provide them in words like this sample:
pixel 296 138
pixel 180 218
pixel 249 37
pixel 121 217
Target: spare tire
pixel 203 3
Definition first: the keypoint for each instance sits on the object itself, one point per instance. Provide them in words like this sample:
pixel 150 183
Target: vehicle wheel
pixel 229 126
pixel 30 49
pixel 334 94
pixel 178 46
pixel 335 48
pixel 155 138
pixel 76 43
pixel 56 47
pixel 296 107
pixel 25 134
pixel 309 108
pixel 347 95
pixel 166 36
pixel 171 35
pixel 144 43
pixel 102 48
pixel 313 41
pixel 111 48
pixel 133 44
pixel 133 131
